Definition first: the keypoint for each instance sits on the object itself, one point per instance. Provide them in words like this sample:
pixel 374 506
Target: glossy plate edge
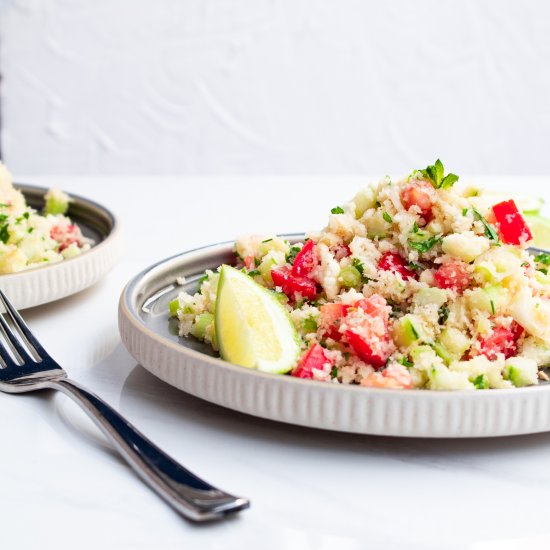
pixel 410 413
pixel 55 281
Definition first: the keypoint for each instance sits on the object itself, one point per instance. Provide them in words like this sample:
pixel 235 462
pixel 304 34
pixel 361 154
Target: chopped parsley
pixel 490 232
pixel 257 262
pixel 337 210
pixel 443 313
pixel 425 245
pixel 30 229
pixel 310 324
pixel 405 362
pixel 435 174
pixel 334 372
pixel 414 267
pixel 480 382
pixel 543 270
pixel 254 273
pixel 525 264
pixel 268 240
pixel 292 253
pixel 357 264
pixel 387 217
pixel 4 234
pixel 201 281
pixel 542 258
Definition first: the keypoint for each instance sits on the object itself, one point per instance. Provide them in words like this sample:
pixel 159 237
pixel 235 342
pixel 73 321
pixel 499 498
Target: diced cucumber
pixel 273 243
pixel 443 352
pixel 520 371
pixel 454 341
pixel 377 226
pixel 57 202
pixel 173 306
pixel 265 268
pixel 490 299
pixel 430 295
pixel 407 330
pixel 349 277
pixel 364 200
pixel 200 325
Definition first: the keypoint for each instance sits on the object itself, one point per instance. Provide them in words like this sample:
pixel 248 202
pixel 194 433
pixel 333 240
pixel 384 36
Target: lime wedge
pixel 541 230
pixel 253 328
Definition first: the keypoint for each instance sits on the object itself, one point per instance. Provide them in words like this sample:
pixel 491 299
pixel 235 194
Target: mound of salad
pixel 415 283
pixel 30 239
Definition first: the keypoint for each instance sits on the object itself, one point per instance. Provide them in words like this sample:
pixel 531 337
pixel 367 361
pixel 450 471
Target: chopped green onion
pixel 387 217
pixel 292 253
pixel 268 240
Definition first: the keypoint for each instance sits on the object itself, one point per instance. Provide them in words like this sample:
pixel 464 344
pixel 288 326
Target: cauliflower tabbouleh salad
pixel 415 283
pixel 29 239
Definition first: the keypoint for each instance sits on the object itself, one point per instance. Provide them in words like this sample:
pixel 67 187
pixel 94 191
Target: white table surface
pixel 62 486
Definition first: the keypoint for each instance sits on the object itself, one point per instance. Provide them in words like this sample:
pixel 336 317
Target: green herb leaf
pixel 415 227
pixel 4 234
pixel 414 267
pixel 480 382
pixel 443 313
pixel 405 362
pixel 387 217
pixel 424 246
pixel 292 253
pixel 357 264
pixel 448 181
pixel 257 262
pixel 337 210
pixel 436 175
pixel 201 281
pixel 465 211
pixel 542 258
pixel 254 273
pixel 543 270
pixel 490 231
pixel 334 372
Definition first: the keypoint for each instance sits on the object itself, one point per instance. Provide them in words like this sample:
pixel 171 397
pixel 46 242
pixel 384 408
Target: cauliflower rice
pixel 414 283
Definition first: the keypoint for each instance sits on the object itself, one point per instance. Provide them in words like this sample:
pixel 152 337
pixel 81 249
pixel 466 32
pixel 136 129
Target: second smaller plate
pixel 54 281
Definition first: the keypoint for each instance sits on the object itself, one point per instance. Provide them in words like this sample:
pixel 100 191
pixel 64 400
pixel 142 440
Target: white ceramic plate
pixel 51 282
pixel 151 337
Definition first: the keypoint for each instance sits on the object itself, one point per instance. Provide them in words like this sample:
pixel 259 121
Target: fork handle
pixel 189 495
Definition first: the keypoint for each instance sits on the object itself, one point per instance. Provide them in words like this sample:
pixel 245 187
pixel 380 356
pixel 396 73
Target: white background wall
pixel 258 86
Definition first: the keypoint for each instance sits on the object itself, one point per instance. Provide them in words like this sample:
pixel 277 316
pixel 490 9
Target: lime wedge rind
pixel 253 329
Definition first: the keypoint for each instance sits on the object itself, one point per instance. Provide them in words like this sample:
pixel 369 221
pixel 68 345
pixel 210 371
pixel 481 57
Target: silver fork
pixel 28 367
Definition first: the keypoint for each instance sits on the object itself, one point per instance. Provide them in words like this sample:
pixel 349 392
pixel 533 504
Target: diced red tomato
pixel 453 274
pixel 330 318
pixel 395 376
pixel 341 251
pixel 510 223
pixel 292 284
pixel 420 194
pixel 367 331
pixel 66 235
pixel 391 261
pixel 249 263
pixel 502 340
pixel 306 260
pixel 313 358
